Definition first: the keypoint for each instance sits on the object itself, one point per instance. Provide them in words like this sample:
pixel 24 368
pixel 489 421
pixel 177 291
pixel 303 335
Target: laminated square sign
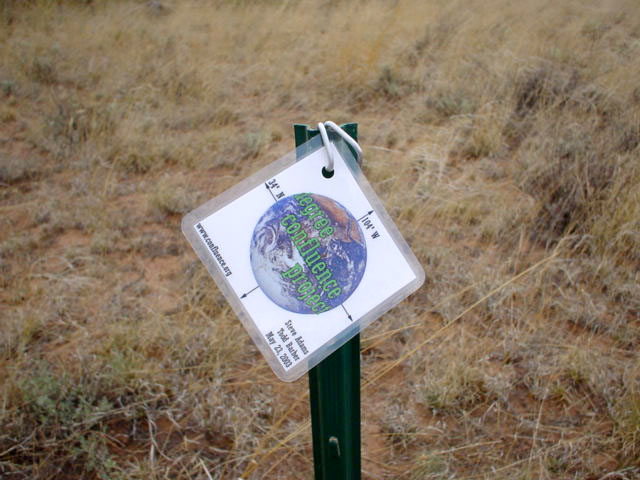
pixel 306 261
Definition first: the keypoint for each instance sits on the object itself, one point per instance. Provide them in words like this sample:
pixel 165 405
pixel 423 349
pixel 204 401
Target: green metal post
pixel 334 387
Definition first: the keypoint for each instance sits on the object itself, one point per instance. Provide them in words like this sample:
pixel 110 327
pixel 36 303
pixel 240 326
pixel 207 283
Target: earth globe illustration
pixel 274 251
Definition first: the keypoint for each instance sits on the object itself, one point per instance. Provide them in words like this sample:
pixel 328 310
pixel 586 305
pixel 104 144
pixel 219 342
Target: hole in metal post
pixel 326 173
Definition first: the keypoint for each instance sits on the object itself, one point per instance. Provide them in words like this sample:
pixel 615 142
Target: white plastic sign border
pixel 204 248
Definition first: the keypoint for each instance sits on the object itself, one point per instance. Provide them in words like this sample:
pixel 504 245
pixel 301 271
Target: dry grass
pixel 504 138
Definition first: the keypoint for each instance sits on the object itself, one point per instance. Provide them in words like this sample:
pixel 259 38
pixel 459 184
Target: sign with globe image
pixel 305 261
pixel 308 253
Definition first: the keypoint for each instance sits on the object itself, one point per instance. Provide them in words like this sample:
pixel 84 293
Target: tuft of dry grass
pixel 502 137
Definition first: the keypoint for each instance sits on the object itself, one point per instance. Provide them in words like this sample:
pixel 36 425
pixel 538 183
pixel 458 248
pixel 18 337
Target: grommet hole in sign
pixel 312 262
pixel 327 173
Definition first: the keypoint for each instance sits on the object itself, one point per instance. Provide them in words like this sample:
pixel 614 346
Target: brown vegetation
pixel 504 139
